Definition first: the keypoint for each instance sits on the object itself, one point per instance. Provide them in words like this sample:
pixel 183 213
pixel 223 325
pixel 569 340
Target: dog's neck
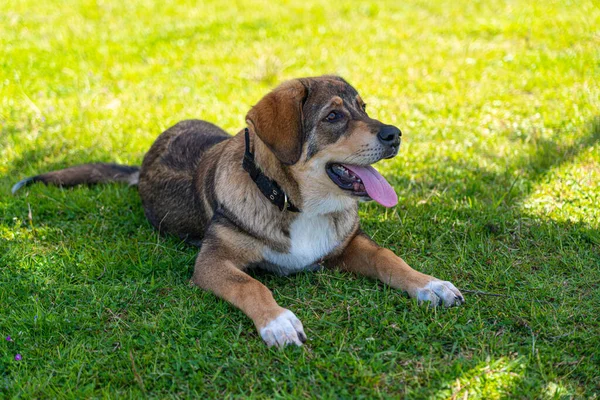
pixel 311 202
pixel 275 169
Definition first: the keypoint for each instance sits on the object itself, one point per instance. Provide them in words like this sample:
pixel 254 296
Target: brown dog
pixel 282 194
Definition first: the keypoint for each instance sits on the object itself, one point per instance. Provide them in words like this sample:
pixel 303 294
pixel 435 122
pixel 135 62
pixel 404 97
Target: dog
pixel 281 195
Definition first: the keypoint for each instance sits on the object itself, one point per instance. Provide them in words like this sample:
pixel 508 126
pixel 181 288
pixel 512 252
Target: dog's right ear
pixel 278 121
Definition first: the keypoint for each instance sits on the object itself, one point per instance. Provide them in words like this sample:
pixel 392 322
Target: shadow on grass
pixel 457 183
pixel 550 153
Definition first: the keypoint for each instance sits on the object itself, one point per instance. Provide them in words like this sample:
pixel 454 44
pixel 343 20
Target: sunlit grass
pixel 496 379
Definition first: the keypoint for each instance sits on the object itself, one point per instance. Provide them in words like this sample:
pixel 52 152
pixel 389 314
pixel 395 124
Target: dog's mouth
pixel 364 182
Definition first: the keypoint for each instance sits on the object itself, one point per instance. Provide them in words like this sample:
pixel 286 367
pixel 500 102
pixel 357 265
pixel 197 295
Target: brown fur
pixel 192 185
pixel 283 136
pixel 364 257
pixel 89 174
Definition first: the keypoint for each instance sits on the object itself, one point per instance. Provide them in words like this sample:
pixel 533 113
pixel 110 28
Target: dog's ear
pixel 278 121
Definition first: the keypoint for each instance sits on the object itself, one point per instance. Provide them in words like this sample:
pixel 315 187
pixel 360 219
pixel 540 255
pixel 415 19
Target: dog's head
pixel 320 129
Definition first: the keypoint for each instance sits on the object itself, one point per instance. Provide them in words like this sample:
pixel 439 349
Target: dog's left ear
pixel 278 121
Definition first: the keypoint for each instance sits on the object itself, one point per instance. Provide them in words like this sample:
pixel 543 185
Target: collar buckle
pixel 286 203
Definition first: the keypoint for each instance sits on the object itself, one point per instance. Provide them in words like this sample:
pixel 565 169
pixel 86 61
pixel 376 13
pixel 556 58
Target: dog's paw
pixel 283 330
pixel 438 292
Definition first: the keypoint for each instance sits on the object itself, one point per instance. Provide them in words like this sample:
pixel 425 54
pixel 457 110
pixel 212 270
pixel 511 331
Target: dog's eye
pixel 333 116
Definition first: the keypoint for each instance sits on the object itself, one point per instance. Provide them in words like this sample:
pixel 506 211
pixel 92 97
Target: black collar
pixel 267 186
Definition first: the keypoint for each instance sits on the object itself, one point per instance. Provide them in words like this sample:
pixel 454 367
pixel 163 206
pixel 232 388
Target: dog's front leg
pixel 219 269
pixel 365 257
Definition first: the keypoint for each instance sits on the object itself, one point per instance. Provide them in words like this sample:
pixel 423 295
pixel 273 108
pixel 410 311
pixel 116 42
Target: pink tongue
pixel 376 185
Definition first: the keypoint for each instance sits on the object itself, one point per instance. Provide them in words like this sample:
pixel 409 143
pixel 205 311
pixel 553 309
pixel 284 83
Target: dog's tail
pixel 89 174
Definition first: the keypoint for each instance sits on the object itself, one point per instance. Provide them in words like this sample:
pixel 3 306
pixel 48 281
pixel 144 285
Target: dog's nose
pixel 389 134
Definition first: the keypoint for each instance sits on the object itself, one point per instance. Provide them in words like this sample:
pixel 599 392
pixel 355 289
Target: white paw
pixel 438 292
pixel 283 330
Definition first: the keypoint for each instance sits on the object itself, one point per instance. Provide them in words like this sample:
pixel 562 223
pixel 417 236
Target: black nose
pixel 389 135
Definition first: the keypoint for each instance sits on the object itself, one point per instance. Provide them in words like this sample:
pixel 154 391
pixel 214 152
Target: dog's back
pixel 168 184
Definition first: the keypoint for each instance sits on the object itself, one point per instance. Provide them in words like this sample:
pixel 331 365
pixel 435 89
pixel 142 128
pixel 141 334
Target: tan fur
pixel 277 120
pixel 363 256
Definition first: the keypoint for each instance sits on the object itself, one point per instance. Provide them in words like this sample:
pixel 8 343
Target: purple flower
pixel 18 357
pixel 8 339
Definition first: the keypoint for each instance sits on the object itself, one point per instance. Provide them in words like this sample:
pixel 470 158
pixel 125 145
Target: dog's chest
pixel 311 239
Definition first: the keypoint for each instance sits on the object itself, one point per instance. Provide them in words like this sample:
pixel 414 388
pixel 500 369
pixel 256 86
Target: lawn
pixel 498 180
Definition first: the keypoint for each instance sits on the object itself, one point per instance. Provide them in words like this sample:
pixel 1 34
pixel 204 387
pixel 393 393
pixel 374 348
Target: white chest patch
pixel 312 238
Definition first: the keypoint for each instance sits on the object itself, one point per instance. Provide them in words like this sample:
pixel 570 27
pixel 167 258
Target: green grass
pixel 498 179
